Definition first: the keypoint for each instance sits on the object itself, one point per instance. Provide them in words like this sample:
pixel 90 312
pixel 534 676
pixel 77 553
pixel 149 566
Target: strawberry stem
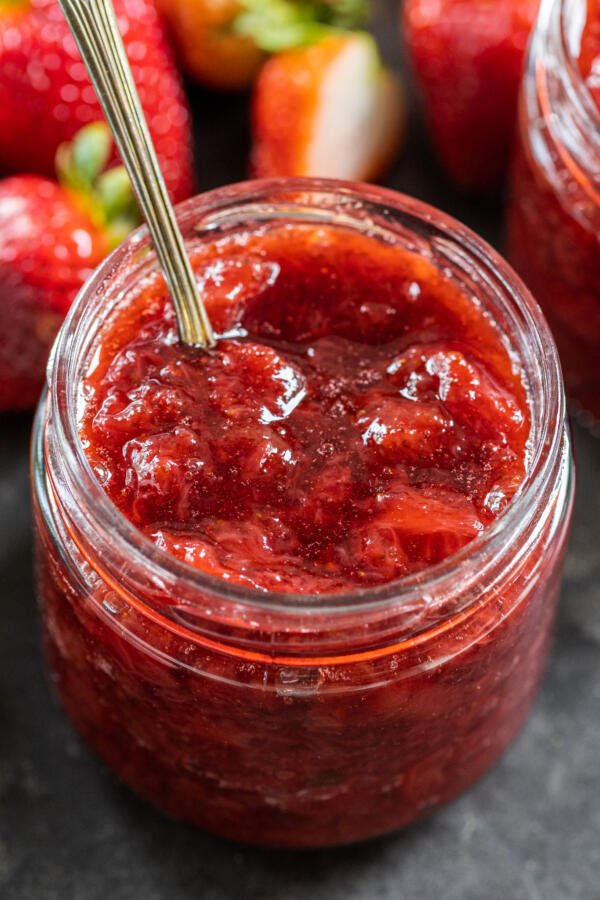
pixel 277 25
pixel 107 196
pixel 350 14
pixel 91 150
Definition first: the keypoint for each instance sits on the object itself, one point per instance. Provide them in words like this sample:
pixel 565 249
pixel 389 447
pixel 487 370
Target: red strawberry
pixel 328 109
pixel 46 95
pixel 206 45
pixel 468 56
pixel 221 43
pixel 51 238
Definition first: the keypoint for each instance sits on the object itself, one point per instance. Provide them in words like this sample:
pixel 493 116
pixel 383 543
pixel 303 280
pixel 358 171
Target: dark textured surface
pixel 530 830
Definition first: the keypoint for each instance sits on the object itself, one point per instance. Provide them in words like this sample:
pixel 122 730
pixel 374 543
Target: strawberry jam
pixel 298 589
pixel 359 421
pixel 554 211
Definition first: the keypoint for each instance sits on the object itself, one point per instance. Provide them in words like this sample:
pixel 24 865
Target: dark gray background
pixel 530 830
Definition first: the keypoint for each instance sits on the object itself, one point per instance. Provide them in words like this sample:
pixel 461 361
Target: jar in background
pixel 293 720
pixel 554 205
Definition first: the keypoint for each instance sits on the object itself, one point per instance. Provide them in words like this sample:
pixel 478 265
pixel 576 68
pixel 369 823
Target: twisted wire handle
pixel 94 27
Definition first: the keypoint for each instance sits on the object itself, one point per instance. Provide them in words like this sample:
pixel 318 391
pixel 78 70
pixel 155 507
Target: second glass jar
pixel 554 207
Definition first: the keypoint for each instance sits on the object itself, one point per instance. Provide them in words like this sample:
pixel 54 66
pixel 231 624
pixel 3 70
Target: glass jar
pixel 294 720
pixel 554 207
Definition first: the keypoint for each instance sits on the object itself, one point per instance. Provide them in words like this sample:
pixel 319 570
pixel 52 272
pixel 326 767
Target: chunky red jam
pixel 360 419
pixel 553 227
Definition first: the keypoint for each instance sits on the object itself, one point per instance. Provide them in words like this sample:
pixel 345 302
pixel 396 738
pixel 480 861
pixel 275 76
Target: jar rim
pixel 473 558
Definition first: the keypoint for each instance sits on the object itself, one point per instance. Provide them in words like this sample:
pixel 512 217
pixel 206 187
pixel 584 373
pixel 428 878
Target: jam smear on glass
pixel 359 421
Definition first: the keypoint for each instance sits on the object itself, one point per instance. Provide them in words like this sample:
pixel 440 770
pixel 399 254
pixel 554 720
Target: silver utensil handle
pixel 94 27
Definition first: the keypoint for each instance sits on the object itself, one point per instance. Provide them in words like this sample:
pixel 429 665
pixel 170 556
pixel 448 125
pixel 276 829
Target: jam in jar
pixel 554 208
pixel 298 589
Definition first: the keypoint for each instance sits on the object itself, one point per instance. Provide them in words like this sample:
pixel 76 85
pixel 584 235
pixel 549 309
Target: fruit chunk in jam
pixel 358 420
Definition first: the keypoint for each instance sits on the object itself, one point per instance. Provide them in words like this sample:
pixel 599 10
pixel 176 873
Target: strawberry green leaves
pixel 105 193
pixel 277 25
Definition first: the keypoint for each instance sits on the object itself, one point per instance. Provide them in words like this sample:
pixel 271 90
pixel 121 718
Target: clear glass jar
pixel 294 720
pixel 554 206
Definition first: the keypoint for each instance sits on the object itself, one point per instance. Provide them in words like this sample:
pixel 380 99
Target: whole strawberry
pixel 468 56
pixel 206 45
pixel 51 237
pixel 46 95
pixel 323 104
pixel 328 109
pixel 221 43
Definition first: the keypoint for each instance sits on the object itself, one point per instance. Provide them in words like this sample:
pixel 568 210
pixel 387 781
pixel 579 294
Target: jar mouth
pixel 540 367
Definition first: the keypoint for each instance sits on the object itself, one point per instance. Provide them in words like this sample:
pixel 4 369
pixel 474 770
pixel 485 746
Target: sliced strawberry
pixel 329 109
pixel 143 409
pixel 192 549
